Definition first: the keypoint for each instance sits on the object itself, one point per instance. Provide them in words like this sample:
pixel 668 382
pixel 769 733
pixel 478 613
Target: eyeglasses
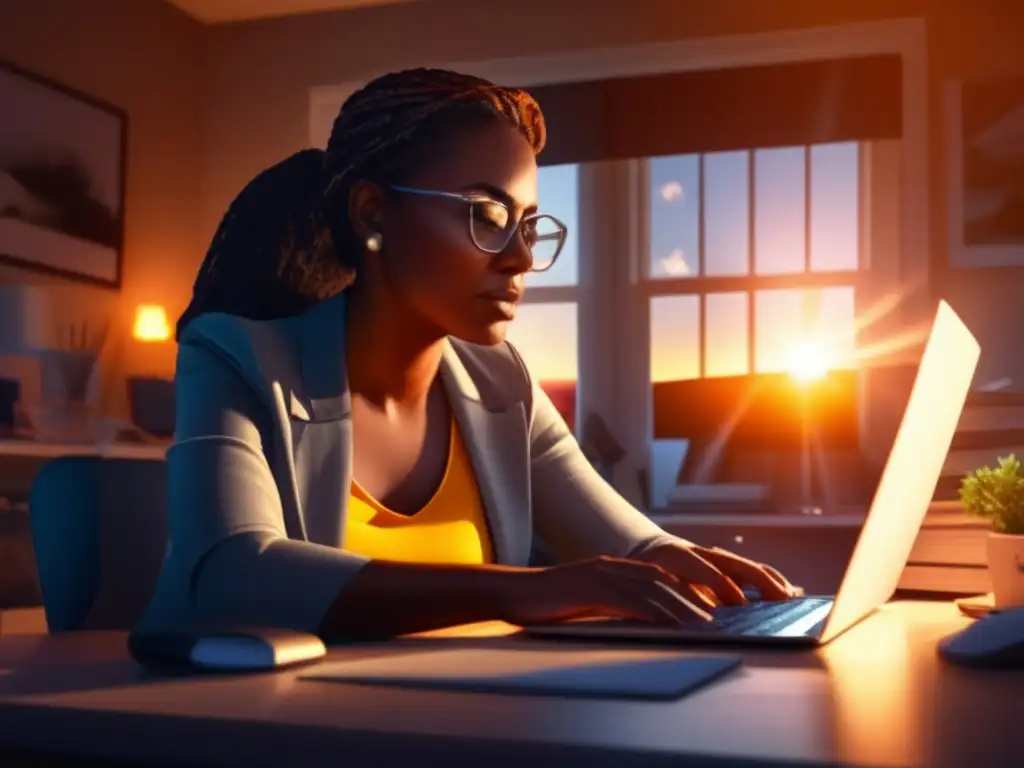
pixel 492 226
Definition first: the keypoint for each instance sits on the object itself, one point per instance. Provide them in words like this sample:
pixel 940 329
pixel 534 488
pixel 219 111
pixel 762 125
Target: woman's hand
pixel 669 584
pixel 716 575
pixel 602 587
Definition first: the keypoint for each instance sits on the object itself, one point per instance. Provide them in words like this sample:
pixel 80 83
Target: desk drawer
pixel 19 583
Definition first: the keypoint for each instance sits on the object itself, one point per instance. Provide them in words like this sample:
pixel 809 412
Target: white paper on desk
pixel 591 674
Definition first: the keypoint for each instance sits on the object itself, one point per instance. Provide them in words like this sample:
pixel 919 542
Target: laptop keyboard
pixel 762 618
pixel 800 617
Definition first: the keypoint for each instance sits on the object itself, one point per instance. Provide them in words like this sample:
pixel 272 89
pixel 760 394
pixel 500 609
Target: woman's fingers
pixel 791 589
pixel 686 564
pixel 665 604
pixel 652 594
pixel 679 584
pixel 688 602
pixel 705 595
pixel 703 571
pixel 771 585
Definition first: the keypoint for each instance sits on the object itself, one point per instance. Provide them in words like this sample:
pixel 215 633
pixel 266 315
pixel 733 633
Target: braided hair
pixel 286 242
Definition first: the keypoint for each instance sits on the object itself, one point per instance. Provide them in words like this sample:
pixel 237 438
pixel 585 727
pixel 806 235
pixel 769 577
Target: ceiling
pixel 220 11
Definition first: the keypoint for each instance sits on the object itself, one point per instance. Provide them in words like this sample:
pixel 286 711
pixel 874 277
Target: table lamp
pixel 150 325
pixel 152 398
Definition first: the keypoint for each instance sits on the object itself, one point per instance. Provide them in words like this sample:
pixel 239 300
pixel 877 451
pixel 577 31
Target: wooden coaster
pixel 976 607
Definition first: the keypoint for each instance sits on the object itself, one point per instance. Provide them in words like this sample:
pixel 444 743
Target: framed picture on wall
pixel 985 120
pixel 62 179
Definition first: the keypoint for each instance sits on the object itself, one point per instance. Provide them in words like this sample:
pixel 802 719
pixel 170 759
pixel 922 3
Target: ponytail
pixel 272 255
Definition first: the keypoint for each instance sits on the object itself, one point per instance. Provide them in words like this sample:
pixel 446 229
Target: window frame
pixel 583 293
pixel 646 287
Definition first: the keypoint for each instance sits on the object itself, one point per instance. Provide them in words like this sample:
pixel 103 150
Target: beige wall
pixel 149 59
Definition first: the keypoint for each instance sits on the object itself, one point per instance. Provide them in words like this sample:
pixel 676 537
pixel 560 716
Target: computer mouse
pixel 994 641
pixel 225 650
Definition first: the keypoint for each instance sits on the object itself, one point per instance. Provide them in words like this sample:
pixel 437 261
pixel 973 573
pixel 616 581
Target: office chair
pixel 99 528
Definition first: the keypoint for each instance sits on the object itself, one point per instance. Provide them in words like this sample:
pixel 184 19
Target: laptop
pixel 900 503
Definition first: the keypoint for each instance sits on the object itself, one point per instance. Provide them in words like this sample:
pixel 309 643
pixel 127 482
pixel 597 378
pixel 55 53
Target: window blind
pixel 788 104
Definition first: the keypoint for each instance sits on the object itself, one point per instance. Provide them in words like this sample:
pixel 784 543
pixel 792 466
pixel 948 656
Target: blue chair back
pixel 99 528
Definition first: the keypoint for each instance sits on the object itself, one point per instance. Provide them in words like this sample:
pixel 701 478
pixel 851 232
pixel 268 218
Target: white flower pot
pixel 1006 567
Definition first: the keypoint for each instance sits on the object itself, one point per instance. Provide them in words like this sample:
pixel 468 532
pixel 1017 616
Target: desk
pixel 876 696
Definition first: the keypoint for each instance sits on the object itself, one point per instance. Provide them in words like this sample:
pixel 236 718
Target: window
pixel 752 266
pixel 751 252
pixel 545 328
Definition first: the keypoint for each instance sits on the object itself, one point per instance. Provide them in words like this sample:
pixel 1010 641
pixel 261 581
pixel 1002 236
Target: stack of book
pixel 949 555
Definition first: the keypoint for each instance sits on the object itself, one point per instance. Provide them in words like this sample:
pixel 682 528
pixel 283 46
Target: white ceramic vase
pixel 1006 567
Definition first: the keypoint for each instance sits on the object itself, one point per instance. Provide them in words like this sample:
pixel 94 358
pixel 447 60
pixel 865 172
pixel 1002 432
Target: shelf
pixel 941 514
pixel 38 450
pixel 758 520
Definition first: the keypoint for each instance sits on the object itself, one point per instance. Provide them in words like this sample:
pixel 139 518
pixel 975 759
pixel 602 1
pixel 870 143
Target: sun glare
pixel 809 361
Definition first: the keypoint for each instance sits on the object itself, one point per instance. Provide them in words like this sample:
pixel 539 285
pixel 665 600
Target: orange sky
pixel 545 335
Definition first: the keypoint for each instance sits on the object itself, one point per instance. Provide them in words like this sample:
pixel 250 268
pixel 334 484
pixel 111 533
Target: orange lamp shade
pixel 151 324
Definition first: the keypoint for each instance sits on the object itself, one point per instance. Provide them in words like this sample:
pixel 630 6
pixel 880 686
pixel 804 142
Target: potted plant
pixel 997 494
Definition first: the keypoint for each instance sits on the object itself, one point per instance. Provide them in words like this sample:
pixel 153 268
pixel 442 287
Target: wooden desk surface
pixel 877 696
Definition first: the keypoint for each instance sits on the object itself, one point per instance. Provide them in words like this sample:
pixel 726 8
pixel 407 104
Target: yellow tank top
pixel 451 528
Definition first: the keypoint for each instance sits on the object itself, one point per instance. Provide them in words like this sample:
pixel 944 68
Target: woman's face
pixel 429 261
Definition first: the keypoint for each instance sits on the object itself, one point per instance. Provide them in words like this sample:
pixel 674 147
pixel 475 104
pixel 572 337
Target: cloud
pixel 675 264
pixel 671 191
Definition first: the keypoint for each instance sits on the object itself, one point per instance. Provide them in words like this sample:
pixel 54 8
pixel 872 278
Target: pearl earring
pixel 373 243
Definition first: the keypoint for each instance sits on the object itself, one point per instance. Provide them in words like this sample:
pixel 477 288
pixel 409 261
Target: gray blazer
pixel 260 471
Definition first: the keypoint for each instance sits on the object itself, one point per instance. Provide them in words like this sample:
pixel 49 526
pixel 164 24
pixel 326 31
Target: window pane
pixel 675 207
pixel 836 325
pixel 779 327
pixel 545 335
pixel 835 207
pixel 558 193
pixel 675 338
pixel 816 320
pixel 779 201
pixel 726 213
pixel 726 332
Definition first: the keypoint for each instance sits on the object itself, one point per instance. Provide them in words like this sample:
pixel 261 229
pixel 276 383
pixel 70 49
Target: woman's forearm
pixel 386 599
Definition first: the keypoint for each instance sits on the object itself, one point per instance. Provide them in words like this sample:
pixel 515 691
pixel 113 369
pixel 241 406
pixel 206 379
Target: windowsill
pixel 941 514
pixel 667 517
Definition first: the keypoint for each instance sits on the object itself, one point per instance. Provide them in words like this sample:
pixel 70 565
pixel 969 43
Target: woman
pixel 359 452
